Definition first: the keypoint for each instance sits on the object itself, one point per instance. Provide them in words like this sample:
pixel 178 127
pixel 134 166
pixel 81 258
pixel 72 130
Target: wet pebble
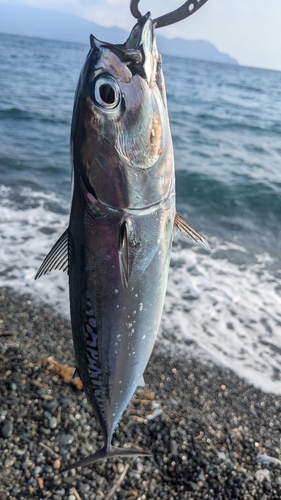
pixel 7 429
pixel 61 492
pixel 57 464
pixel 66 439
pixel 53 422
pixel 84 487
pixel 37 470
pixel 173 447
pixel 193 486
pixel 206 443
pixel 28 464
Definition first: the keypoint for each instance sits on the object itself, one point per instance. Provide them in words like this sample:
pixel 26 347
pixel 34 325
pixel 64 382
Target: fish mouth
pixel 142 38
pixel 141 32
pixel 139 52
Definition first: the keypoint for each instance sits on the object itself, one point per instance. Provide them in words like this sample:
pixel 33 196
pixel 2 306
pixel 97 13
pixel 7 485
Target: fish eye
pixel 105 92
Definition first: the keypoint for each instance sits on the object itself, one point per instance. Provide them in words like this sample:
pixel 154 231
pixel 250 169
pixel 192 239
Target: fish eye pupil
pixel 107 93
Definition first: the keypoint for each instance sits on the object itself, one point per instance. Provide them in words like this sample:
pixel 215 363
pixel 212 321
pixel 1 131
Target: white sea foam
pixel 24 245
pixel 225 311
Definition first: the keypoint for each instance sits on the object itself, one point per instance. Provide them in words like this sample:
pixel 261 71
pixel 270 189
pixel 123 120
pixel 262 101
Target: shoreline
pixel 204 426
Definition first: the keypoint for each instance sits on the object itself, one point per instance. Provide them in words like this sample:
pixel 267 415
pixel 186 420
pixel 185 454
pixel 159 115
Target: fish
pixel 117 247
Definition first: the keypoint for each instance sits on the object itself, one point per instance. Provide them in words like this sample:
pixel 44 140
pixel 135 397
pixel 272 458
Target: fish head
pixel 121 141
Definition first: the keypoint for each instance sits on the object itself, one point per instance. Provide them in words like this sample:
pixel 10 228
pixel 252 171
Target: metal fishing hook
pixel 186 10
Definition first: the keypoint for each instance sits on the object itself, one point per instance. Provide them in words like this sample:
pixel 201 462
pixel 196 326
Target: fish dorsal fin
pixel 185 231
pixel 57 258
pixel 124 253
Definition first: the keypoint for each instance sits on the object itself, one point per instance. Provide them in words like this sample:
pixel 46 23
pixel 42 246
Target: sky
pixel 248 30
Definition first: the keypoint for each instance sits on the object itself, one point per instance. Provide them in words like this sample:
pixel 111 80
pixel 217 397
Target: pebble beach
pixel 211 435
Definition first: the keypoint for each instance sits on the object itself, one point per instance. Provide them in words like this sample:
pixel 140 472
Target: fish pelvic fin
pixel 59 257
pixel 185 231
pixel 105 453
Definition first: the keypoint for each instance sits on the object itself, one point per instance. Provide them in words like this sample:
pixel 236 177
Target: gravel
pixel 206 428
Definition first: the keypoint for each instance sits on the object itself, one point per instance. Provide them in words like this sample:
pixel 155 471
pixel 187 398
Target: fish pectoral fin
pixel 141 382
pixel 185 231
pixel 104 454
pixel 123 250
pixel 57 258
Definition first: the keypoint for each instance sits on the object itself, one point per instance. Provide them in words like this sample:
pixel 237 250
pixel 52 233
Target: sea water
pixel 226 125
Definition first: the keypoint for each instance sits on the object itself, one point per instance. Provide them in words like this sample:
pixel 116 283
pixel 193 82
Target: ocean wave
pixel 227 312
pixel 244 197
pixel 25 241
pixel 244 87
pixel 18 114
pixel 221 305
pixel 238 122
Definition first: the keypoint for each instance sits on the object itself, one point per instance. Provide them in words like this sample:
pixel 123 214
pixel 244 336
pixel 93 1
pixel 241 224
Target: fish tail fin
pixel 105 453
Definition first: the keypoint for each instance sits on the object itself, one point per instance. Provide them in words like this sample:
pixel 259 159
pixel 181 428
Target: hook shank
pixel 186 10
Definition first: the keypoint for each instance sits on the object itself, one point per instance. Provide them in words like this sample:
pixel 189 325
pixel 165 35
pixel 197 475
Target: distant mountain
pixel 41 23
pixel 192 49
